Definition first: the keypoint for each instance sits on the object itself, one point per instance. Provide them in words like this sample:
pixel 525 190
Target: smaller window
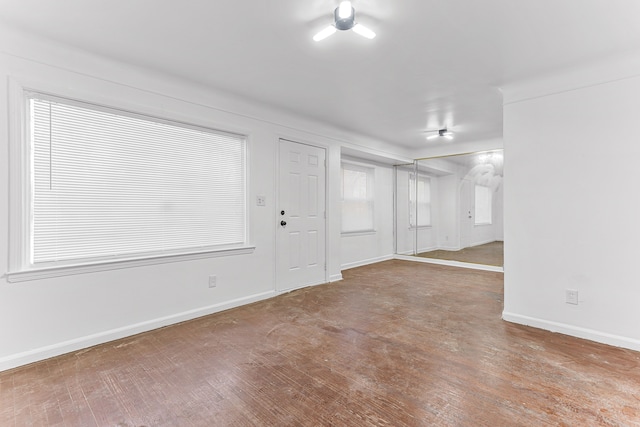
pixel 483 205
pixel 357 198
pixel 422 208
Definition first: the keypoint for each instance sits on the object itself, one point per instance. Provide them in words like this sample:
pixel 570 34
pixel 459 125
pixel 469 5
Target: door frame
pixel 276 220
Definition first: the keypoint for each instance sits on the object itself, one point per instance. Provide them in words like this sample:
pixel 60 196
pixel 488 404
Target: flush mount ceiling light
pixel 441 133
pixel 344 19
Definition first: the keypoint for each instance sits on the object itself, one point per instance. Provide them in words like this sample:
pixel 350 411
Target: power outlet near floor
pixel 213 281
pixel 572 296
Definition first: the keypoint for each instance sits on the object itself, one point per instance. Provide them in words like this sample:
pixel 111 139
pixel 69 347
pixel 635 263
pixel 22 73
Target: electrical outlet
pixel 261 200
pixel 213 281
pixel 572 296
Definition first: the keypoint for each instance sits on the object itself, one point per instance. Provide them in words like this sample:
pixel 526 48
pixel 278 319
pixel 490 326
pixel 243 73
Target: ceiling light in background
pixel 490 156
pixel 444 133
pixel 344 17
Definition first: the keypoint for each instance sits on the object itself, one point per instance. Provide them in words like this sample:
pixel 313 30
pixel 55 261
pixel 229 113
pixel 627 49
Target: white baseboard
pixel 365 262
pixel 575 331
pixel 335 277
pixel 449 248
pixel 409 252
pixel 484 242
pixel 450 263
pixel 35 355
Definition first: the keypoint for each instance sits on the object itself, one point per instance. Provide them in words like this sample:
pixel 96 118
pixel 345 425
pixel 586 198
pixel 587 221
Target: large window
pixel 483 201
pixel 419 200
pixel 357 198
pixel 111 185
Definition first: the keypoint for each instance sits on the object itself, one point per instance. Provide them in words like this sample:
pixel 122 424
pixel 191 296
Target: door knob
pixel 283 223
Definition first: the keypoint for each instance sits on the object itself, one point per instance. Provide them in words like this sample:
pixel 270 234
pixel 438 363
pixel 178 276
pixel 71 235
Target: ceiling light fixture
pixel 324 33
pixel 344 17
pixel 363 31
pixel 442 133
pixel 345 10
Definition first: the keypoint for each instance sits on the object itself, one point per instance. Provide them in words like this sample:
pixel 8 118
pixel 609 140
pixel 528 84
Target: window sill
pixel 420 227
pixel 482 224
pixel 358 233
pixel 68 270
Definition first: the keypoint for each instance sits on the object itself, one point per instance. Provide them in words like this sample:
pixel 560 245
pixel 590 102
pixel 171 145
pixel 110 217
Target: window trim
pixel 357 233
pixel 68 270
pixel 19 192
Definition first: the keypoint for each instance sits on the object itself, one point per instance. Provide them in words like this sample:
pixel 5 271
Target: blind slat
pixel 106 184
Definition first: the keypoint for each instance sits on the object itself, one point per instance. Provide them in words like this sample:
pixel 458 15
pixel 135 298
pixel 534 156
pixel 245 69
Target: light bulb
pixel 345 10
pixel 324 33
pixel 364 31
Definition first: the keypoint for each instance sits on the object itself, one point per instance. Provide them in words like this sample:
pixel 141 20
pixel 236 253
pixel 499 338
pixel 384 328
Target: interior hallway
pixel 395 343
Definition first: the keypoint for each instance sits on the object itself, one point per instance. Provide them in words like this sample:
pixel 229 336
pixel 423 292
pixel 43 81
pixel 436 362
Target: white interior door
pixel 466 212
pixel 301 215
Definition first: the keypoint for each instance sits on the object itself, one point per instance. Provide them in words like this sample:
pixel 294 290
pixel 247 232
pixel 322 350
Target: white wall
pixel 572 203
pixel 365 248
pixel 45 317
pixel 448 212
pixel 498 214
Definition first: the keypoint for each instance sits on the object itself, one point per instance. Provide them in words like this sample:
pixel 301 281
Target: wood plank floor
pixel 394 344
pixel 487 254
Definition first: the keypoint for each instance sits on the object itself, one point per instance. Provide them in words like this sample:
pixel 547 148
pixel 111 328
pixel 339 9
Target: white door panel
pixel 466 212
pixel 301 228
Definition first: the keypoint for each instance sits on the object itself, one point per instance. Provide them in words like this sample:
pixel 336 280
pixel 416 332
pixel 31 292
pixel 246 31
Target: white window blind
pixel 483 201
pixel 107 184
pixel 357 198
pixel 419 201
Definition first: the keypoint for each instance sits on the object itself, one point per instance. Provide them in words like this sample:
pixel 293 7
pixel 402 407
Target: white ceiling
pixel 434 63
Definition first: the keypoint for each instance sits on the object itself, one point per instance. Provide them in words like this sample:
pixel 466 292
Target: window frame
pixel 370 171
pixel 20 213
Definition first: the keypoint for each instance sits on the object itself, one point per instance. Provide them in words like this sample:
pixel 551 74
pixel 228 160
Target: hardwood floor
pixel 487 254
pixel 394 344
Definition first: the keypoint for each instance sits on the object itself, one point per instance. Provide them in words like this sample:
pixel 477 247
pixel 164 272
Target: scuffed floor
pixel 487 254
pixel 393 344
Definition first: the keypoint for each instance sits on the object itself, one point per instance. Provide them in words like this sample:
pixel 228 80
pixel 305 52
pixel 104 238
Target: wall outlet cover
pixel 572 296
